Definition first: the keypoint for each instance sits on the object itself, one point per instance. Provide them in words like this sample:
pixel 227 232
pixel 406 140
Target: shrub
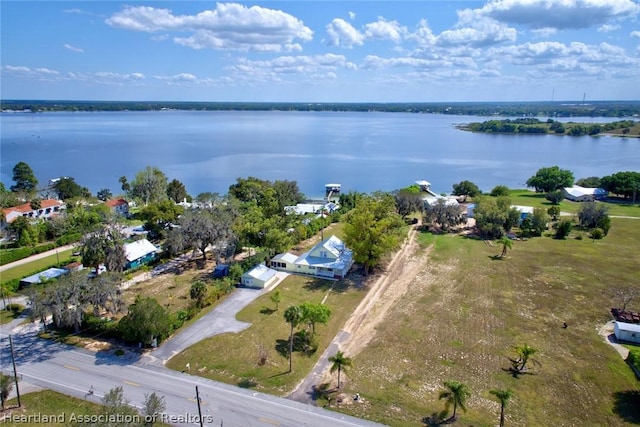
pixel 14 307
pixel 555 197
pixel 68 238
pixel 597 233
pixel 564 228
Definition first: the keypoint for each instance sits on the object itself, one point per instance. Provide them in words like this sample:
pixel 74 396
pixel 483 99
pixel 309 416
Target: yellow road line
pixel 131 383
pixel 71 367
pixel 267 420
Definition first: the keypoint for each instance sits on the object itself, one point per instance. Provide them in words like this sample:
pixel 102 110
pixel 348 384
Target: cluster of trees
pixel 68 299
pixel 516 109
pixel 308 314
pixel 495 217
pixel 372 229
pixel 532 125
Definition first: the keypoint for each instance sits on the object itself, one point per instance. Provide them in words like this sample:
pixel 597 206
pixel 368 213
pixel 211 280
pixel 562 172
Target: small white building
pixel 583 194
pixel 259 276
pixel 627 332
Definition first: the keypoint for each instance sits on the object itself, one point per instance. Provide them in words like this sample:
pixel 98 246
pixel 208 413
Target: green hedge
pixel 634 359
pixel 11 255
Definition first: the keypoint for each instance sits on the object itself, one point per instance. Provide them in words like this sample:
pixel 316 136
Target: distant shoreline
pixel 622 109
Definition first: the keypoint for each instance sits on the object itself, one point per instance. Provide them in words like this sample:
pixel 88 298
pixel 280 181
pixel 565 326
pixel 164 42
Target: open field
pixel 35 266
pixel 233 358
pixel 51 403
pixel 466 310
pixel 537 200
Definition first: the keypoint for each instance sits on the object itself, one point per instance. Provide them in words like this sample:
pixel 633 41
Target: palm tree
pixel 503 397
pixel 506 243
pixel 524 352
pixel 456 394
pixel 293 316
pixel 340 363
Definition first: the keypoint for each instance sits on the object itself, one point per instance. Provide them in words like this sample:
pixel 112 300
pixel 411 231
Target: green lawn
pixel 52 404
pixel 233 358
pixel 466 311
pixel 7 316
pixel 35 266
pixel 530 198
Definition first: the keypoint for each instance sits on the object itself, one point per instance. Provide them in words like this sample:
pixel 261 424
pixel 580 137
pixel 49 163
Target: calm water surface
pixel 362 151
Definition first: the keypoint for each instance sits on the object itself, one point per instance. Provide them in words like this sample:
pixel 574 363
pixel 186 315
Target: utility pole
pixel 199 410
pixel 15 372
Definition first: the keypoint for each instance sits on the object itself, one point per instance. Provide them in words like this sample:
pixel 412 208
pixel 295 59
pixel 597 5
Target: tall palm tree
pixel 293 316
pixel 503 397
pixel 340 363
pixel 506 243
pixel 456 394
pixel 524 352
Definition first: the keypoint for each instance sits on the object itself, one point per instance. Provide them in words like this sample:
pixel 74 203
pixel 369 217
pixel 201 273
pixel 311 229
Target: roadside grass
pixel 466 311
pixel 7 316
pixel 234 358
pixel 50 403
pixel 37 265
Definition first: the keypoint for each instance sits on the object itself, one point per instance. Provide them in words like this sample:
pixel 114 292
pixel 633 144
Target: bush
pixel 68 238
pixel 564 228
pixel 555 197
pixel 104 327
pixel 597 233
pixel 14 307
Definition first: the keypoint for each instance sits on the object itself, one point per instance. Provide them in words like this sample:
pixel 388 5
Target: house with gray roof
pixel 329 259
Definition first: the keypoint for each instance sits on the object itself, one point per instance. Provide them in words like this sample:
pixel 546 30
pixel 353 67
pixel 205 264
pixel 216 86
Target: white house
pixel 259 276
pixel 48 209
pixel 329 259
pixel 627 332
pixel 583 194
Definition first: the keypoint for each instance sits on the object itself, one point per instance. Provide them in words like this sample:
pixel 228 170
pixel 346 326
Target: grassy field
pixel 530 198
pixel 7 316
pixel 467 309
pixel 50 403
pixel 35 266
pixel 233 358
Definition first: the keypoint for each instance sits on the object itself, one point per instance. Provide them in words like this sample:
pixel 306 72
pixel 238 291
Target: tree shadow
pixel 116 357
pixel 267 311
pixel 437 419
pixel 316 284
pixel 301 344
pixel 247 383
pixel 496 257
pixel 626 404
pixel 515 372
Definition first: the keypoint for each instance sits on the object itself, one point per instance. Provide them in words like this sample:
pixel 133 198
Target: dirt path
pixel 385 290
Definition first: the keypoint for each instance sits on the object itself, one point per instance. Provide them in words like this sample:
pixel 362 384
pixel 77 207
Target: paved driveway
pixel 220 320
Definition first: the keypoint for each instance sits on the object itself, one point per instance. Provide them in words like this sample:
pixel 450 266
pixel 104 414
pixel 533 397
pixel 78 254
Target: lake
pixel 208 150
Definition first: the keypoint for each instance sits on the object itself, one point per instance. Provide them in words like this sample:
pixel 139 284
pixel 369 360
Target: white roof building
pixel 627 331
pixel 259 276
pixel 329 258
pixel 584 194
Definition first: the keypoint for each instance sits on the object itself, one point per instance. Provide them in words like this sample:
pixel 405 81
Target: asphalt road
pixel 75 371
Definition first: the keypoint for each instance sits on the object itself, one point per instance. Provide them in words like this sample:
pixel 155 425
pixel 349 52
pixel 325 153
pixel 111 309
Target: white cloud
pixel 106 77
pixel 476 31
pixel 423 35
pixel 180 78
pixel 606 28
pixel 544 32
pixel 341 33
pixel 352 15
pixel 384 30
pixel 31 73
pixel 277 69
pixel 73 48
pixel 635 34
pixel 570 60
pixel 561 14
pixel 230 26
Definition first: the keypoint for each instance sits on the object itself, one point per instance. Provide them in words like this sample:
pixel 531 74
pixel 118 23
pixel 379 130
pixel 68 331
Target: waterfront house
pixel 119 206
pixel 48 209
pixel 328 259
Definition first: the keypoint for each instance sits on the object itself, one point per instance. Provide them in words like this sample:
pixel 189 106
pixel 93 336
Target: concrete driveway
pixel 220 320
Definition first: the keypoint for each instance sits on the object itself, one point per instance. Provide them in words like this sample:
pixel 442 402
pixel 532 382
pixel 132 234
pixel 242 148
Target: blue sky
pixel 321 51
